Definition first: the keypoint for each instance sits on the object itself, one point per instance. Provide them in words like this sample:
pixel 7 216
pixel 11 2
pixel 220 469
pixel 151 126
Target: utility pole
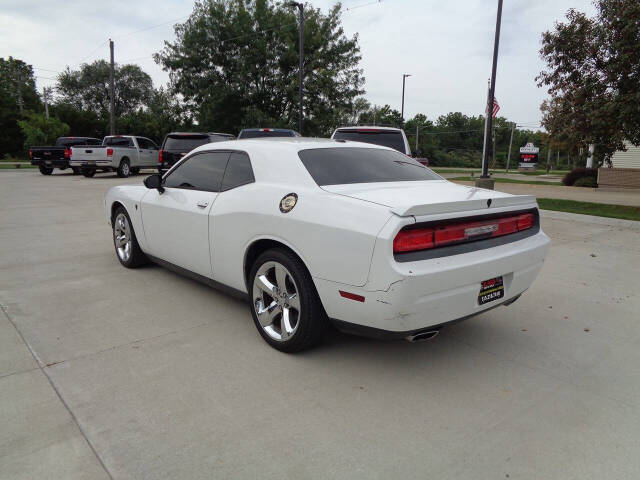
pixel 300 7
pixel 404 77
pixel 20 92
pixel 513 127
pixel 45 96
pixel 548 157
pixel 417 136
pixel 112 100
pixel 375 111
pixel 496 43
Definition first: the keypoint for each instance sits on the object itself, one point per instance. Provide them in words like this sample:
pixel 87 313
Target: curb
pixel 578 217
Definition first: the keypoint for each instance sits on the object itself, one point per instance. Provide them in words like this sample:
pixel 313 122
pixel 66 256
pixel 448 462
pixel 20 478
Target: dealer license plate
pixel 491 290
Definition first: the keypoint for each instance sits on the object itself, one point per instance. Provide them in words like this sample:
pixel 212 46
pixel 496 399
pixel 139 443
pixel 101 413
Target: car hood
pixel 429 197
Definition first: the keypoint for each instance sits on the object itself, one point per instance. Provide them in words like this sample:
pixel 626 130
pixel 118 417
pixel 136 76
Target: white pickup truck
pixel 124 154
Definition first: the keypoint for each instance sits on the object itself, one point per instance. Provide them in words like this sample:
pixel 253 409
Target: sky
pixel 446 46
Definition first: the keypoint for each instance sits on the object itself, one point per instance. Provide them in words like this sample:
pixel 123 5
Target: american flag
pixel 496 107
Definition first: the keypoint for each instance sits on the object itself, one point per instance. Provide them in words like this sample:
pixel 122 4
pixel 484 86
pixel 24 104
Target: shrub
pixel 586 182
pixel 571 177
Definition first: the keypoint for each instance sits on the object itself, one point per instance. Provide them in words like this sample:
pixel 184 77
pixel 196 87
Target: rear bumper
pixel 91 163
pixel 55 163
pixel 431 293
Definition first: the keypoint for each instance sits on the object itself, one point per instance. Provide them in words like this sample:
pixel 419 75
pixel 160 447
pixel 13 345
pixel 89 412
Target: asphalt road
pixel 113 373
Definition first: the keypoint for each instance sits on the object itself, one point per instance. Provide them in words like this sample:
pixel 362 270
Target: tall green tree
pixel 17 89
pixel 235 62
pixel 88 88
pixel 593 77
pixel 37 129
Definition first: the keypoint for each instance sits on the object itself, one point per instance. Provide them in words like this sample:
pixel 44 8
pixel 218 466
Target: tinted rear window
pixel 71 142
pixel 185 143
pixel 118 142
pixel 338 166
pixel 385 138
pixel 262 134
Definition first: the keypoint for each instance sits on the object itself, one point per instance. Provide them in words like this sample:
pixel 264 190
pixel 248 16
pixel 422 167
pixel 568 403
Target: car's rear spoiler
pixel 464 205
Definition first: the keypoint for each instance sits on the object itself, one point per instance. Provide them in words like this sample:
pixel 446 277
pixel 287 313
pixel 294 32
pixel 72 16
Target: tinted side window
pixel 143 143
pixel 239 171
pixel 202 171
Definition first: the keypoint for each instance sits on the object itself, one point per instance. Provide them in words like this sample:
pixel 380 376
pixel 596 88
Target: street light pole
pixel 492 91
pixel 404 77
pixel 300 7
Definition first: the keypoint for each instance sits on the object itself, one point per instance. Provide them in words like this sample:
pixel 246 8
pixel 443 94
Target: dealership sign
pixel 529 157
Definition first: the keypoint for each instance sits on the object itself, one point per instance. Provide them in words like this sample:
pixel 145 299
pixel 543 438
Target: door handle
pixel 202 204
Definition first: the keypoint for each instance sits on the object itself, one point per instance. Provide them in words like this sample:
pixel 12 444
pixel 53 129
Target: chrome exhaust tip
pixel 422 336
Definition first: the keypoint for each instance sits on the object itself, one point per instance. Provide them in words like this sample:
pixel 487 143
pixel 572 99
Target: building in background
pixel 624 171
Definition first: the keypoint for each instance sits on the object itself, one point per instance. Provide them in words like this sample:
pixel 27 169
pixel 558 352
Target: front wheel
pixel 135 170
pixel 285 306
pixel 76 170
pixel 125 241
pixel 124 169
pixel 45 170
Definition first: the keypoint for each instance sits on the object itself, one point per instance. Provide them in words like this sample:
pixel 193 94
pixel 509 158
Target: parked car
pixel 312 231
pixel 266 132
pixel 124 154
pixel 386 136
pixel 177 144
pixel 48 158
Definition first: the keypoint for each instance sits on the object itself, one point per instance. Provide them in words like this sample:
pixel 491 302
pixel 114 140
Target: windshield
pixel 262 133
pixel 338 166
pixel 385 138
pixel 185 143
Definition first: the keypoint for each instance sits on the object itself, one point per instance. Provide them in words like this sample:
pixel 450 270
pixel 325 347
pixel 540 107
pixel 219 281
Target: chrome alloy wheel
pixel 276 300
pixel 122 236
pixel 125 169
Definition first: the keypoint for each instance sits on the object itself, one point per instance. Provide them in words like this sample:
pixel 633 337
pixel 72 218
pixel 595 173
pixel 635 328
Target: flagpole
pixel 492 91
pixel 486 115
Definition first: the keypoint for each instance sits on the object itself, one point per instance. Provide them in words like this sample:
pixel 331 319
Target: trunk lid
pixel 89 152
pixel 429 197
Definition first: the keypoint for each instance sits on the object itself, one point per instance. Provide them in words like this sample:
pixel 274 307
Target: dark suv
pixel 266 133
pixel 177 144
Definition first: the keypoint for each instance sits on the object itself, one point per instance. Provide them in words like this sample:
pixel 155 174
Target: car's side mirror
pixel 154 182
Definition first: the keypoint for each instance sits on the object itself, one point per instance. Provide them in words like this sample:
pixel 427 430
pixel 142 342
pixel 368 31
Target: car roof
pixel 267 129
pixel 278 144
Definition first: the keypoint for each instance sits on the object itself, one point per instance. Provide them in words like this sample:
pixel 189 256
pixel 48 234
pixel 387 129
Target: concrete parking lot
pixel 113 373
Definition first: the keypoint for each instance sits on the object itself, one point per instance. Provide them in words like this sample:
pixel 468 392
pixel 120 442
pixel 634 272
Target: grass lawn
pixel 587 208
pixel 508 180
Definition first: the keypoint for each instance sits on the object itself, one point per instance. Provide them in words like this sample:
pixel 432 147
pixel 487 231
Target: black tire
pixel 88 172
pixel 76 170
pixel 137 257
pixel 135 170
pixel 45 170
pixel 312 322
pixel 124 169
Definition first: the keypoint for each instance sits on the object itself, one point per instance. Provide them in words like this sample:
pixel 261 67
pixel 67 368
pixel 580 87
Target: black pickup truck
pixel 48 158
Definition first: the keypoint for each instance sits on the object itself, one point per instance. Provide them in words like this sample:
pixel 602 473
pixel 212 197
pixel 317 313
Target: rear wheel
pixel 125 241
pixel 285 306
pixel 124 169
pixel 45 170
pixel 88 172
pixel 76 170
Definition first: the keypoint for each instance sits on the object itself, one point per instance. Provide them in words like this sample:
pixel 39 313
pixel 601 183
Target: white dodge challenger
pixel 316 231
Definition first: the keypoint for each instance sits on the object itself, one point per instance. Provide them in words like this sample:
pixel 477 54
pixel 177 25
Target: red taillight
pixel 414 239
pixel 67 153
pixel 109 152
pixel 160 157
pixel 30 153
